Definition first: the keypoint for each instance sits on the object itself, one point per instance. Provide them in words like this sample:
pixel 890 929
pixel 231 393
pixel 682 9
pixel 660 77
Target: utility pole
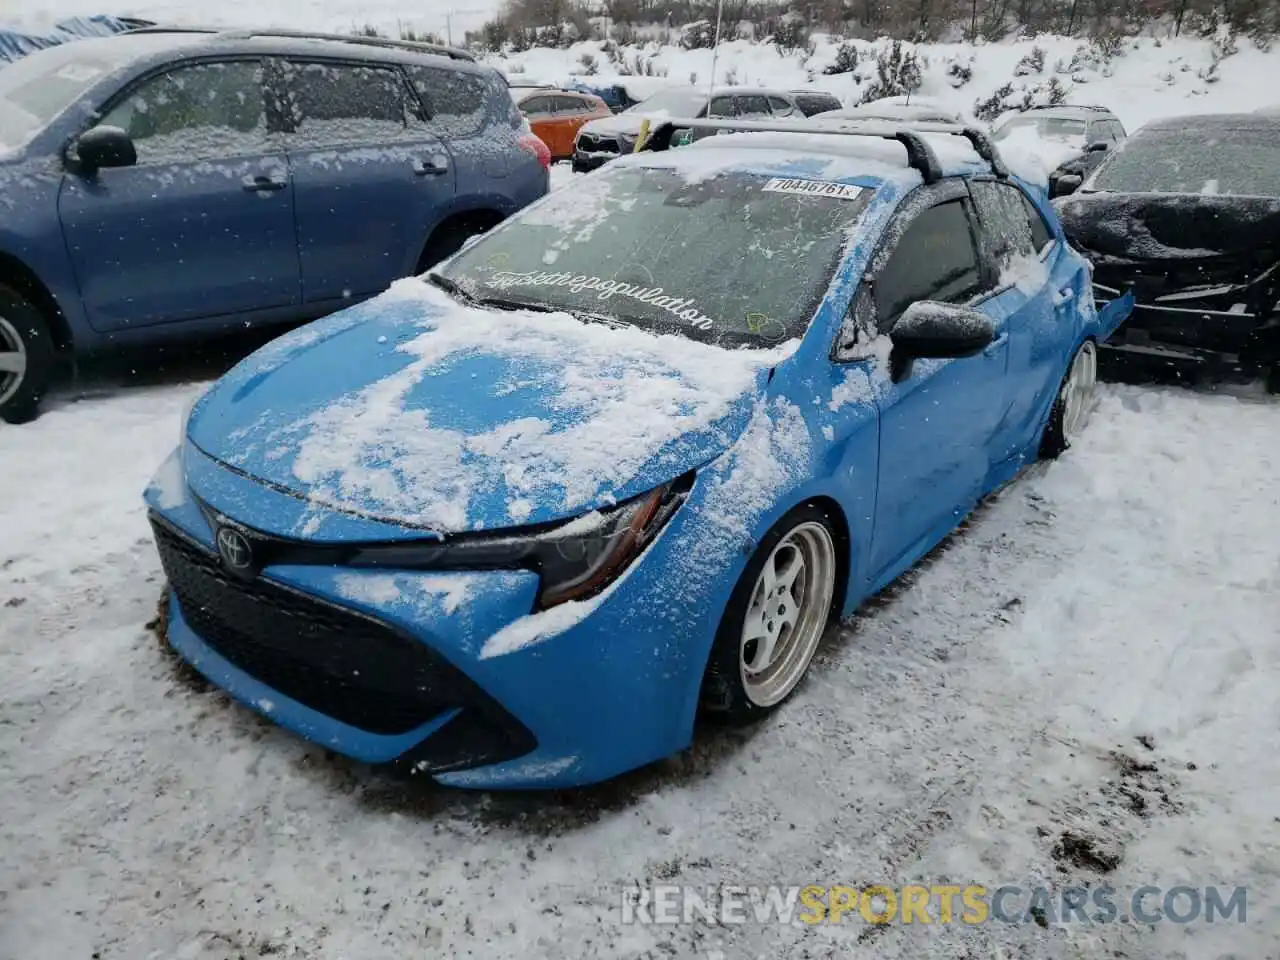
pixel 448 27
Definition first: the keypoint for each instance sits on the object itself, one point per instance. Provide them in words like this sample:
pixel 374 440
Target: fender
pixel 482 202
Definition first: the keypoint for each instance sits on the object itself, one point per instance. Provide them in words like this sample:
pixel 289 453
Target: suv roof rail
pixel 920 155
pixel 1070 106
pixel 439 50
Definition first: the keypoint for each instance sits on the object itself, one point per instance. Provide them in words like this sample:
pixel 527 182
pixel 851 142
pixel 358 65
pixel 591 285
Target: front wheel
pixel 774 620
pixel 1075 400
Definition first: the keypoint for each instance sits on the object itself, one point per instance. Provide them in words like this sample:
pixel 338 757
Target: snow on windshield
pixel 729 258
pixel 621 396
pixel 671 103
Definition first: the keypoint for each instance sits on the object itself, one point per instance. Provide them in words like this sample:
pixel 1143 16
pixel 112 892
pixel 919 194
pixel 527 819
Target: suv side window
pixel 935 259
pixel 346 103
pixel 205 111
pixel 568 105
pixel 721 107
pixel 456 100
pixel 536 106
pixel 1006 228
pixel 780 107
pixel 753 106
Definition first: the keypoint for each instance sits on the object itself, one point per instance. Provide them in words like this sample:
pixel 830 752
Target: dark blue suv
pixel 174 183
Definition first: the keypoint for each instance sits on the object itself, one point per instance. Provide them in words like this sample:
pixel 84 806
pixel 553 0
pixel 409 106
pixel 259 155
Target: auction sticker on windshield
pixel 813 188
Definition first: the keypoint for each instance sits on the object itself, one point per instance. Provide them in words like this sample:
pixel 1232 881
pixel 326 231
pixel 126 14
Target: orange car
pixel 556 115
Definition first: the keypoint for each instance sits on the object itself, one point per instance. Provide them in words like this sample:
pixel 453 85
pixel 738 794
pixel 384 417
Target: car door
pixel 570 114
pixel 538 111
pixel 936 425
pixel 202 225
pixel 1018 242
pixel 370 179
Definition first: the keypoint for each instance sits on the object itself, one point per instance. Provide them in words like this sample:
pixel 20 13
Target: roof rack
pixel 1070 106
pixel 384 42
pixel 920 155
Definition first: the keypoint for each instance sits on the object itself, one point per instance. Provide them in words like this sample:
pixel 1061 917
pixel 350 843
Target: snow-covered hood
pixel 416 410
pixel 1155 226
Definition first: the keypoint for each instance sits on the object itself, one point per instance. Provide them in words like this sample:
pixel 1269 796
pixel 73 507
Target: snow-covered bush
pixel 589 64
pixel 699 35
pixel 792 34
pixel 959 72
pixel 846 60
pixel 1032 62
pixel 898 72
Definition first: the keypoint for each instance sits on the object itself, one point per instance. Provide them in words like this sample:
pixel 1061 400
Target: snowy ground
pixel 1122 599
pixel 1096 655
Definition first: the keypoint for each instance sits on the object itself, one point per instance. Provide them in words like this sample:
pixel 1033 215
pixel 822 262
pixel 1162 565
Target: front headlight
pixel 575 560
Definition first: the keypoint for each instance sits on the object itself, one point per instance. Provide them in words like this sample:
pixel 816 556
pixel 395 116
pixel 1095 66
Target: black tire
pixel 724 696
pixel 24 332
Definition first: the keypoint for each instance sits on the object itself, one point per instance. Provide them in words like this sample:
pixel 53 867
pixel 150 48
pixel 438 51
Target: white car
pixel 605 139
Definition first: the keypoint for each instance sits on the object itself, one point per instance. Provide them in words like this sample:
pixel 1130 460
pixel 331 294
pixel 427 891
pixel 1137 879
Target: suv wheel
pixel 26 357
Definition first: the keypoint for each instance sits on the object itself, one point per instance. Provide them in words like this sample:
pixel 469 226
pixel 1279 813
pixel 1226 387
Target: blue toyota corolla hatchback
pixel 174 183
pixel 627 455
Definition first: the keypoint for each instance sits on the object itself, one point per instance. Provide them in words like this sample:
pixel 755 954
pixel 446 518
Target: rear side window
pixel 568 105
pixel 780 106
pixel 336 104
pixel 721 107
pixel 202 112
pixel 456 100
pixel 935 259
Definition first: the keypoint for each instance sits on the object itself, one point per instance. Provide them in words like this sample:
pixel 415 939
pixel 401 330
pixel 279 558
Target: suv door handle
pixel 254 184
pixel 430 168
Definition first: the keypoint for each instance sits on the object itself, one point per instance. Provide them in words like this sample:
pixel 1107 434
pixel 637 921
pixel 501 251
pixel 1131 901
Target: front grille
pixel 337 661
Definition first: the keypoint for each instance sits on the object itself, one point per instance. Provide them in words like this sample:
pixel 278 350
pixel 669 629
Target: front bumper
pixel 390 666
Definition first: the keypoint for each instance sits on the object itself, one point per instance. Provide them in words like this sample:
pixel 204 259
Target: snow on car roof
pixel 828 156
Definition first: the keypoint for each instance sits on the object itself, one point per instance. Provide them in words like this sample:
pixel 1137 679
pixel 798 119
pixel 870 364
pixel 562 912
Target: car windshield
pixel 733 259
pixel 38 87
pixel 1243 162
pixel 1048 128
pixel 672 103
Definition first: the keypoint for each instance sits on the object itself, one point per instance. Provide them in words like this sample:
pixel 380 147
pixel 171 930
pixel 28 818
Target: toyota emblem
pixel 234 550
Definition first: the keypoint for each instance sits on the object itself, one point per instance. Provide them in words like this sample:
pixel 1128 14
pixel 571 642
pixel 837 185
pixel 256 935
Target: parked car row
pixel 172 183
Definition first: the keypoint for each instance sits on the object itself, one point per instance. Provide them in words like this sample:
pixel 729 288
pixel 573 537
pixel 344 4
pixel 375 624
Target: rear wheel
pixel 26 357
pixel 449 237
pixel 1075 400
pixel 774 620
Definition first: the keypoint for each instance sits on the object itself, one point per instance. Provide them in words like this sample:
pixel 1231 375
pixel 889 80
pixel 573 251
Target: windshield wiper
pixel 498 303
pixel 451 287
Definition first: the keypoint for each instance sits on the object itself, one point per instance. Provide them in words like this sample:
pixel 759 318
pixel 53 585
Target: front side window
pixel 734 258
pixel 1006 230
pixel 335 104
pixel 753 107
pixel 722 107
pixel 935 259
pixel 536 106
pixel 202 112
pixel 780 107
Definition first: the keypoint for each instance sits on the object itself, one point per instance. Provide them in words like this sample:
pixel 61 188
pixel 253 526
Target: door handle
pixel 1066 295
pixel 996 344
pixel 430 168
pixel 255 184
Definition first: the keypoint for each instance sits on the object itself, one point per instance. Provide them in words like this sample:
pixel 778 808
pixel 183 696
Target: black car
pixel 1092 131
pixel 1187 214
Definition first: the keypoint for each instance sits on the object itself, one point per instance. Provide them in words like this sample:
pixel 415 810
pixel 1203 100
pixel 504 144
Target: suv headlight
pixel 575 560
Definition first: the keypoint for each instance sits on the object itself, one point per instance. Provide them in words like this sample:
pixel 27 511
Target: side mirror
pixel 104 147
pixel 931 330
pixel 1066 184
pixel 1098 146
